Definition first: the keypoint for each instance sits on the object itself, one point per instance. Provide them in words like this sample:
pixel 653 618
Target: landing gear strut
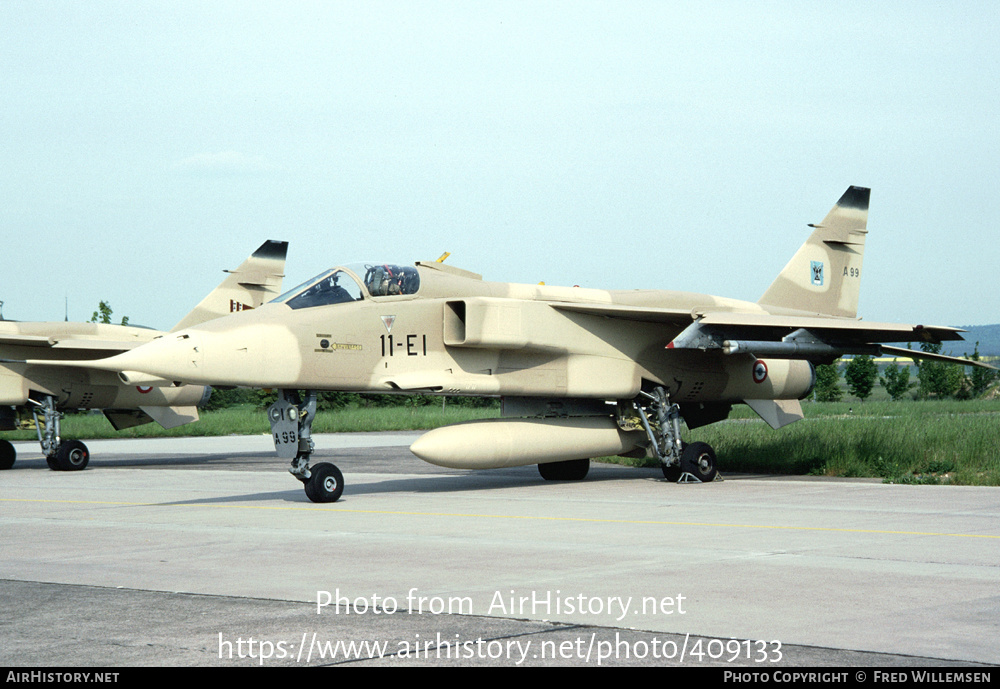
pixel 71 455
pixel 291 420
pixel 680 462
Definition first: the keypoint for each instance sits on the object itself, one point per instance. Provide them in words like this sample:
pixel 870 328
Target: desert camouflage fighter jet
pixel 582 372
pixel 45 388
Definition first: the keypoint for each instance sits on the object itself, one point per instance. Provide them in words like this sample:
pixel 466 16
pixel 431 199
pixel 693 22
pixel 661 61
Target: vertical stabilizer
pixel 825 274
pixel 255 282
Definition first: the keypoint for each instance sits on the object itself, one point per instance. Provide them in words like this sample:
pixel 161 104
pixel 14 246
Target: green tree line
pixel 934 379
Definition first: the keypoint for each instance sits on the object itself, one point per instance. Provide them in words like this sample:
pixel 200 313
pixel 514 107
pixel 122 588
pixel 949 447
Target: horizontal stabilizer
pixel 777 413
pixel 911 354
pixel 127 418
pixel 171 417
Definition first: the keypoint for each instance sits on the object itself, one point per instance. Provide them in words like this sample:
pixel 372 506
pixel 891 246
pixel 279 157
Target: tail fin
pixel 825 274
pixel 256 281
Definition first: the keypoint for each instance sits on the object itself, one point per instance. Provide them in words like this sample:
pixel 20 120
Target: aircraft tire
pixel 7 454
pixel 671 473
pixel 569 470
pixel 698 459
pixel 325 483
pixel 72 455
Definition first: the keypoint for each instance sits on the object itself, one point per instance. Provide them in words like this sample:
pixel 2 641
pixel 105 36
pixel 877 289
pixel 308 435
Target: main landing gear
pixel 680 462
pixel 69 455
pixel 291 420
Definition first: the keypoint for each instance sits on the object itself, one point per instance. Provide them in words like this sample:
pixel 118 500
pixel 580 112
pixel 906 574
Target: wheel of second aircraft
pixel 72 455
pixel 7 454
pixel 325 483
pixel 569 470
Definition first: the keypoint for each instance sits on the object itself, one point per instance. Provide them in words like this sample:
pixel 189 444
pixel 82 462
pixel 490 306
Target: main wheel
pixel 325 483
pixel 7 454
pixel 698 459
pixel 570 470
pixel 672 473
pixel 72 455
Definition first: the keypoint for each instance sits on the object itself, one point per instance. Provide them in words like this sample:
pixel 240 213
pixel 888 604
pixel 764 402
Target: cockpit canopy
pixel 384 280
pixel 341 285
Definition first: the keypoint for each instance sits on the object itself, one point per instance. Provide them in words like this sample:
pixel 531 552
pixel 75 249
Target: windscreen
pixel 331 287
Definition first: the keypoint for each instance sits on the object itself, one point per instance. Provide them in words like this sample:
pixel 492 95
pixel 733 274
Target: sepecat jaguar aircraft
pixel 582 373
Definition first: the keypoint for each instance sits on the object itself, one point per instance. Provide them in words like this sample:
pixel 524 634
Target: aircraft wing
pixel 769 326
pixel 630 313
pixel 810 337
pixel 707 330
pixel 777 336
pixel 25 340
pixel 52 343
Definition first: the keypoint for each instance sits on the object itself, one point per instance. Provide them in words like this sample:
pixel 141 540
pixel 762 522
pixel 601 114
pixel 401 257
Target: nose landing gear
pixel 291 420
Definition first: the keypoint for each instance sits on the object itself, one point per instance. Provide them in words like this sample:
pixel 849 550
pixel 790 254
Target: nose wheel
pixel 325 484
pixel 291 420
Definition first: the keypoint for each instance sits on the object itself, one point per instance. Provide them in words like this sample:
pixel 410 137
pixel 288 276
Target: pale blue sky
pixel 147 146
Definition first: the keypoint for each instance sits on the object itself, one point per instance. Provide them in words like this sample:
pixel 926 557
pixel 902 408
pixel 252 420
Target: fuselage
pixel 447 331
